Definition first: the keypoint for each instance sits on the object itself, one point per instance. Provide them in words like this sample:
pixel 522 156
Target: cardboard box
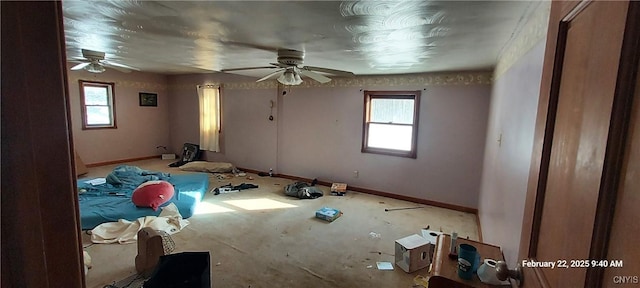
pixel 412 253
pixel 431 237
pixel 328 214
pixel 338 189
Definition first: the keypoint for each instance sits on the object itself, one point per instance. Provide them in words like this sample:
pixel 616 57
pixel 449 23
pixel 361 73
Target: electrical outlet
pixel 356 174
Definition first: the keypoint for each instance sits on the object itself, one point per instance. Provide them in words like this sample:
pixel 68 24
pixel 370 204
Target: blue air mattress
pixel 105 203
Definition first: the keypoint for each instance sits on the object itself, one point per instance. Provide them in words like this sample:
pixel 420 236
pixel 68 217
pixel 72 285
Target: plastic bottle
pixel 453 254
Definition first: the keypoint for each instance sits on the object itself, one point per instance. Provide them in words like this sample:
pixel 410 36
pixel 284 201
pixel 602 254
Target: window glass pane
pixel 398 111
pixel 98 115
pixel 95 96
pixel 397 137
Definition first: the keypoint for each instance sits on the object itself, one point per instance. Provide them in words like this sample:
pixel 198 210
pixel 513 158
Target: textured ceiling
pixel 364 37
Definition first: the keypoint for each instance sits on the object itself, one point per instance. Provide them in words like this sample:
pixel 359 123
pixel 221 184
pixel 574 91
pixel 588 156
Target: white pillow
pixel 204 166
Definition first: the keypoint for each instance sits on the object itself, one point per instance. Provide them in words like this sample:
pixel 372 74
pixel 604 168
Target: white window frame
pixel 110 86
pixel 368 96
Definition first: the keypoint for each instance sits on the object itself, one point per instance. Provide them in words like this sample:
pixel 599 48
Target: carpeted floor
pixel 262 238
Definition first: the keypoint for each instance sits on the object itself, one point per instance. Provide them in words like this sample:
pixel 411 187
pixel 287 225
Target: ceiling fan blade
pixel 330 71
pixel 271 74
pixel 250 45
pixel 80 66
pixel 114 65
pixel 280 65
pixel 247 68
pixel 121 69
pixel 315 76
pixel 77 60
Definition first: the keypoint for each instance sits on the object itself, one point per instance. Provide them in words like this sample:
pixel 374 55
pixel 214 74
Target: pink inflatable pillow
pixel 152 194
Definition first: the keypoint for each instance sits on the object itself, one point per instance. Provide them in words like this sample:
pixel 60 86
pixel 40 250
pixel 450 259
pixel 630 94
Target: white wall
pixel 317 132
pixel 514 104
pixel 321 137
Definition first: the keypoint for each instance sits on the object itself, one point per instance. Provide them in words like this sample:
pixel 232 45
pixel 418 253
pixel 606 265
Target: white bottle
pixel 452 247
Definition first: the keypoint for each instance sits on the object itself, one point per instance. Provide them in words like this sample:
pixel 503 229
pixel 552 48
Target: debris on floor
pixel 384 265
pixel 374 235
pixel 87 261
pixel 225 190
pixel 230 189
pixel 403 208
pixel 338 189
pixel 132 281
pixel 421 281
pixel 302 190
pixel 328 214
pixel 380 253
pixel 220 176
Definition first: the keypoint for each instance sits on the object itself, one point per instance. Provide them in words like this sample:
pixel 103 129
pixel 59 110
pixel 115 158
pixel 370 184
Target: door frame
pixel 41 236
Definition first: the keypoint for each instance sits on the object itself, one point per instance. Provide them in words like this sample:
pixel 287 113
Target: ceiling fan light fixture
pixel 94 68
pixel 290 77
pixel 297 78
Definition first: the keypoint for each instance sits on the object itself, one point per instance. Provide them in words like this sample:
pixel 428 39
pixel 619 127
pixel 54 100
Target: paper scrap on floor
pixel 384 265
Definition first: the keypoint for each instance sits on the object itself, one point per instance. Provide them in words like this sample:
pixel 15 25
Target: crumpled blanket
pixel 126 176
pixel 126 232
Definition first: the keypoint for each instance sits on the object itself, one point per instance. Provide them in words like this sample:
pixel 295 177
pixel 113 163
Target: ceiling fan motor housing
pixel 290 57
pixel 92 55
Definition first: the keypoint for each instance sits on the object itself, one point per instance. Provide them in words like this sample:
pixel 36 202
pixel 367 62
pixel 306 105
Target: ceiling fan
pixel 290 69
pixel 94 62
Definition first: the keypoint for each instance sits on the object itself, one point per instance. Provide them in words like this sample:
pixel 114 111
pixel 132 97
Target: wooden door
pixel 41 240
pixel 580 141
pixel 623 242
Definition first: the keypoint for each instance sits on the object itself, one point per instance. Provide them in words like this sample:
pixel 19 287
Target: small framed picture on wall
pixel 148 99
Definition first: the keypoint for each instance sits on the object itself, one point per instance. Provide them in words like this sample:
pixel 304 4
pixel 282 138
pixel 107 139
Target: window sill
pixel 390 152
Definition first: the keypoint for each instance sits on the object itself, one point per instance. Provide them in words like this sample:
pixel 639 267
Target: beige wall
pixel 140 129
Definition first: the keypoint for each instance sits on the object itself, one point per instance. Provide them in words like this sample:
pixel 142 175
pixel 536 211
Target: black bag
pixel 302 190
pixel 190 152
pixel 182 270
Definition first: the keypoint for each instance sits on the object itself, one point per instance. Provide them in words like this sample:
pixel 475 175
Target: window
pixel 391 122
pixel 97 101
pixel 209 103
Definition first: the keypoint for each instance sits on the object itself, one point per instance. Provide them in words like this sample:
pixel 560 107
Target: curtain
pixel 209 102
